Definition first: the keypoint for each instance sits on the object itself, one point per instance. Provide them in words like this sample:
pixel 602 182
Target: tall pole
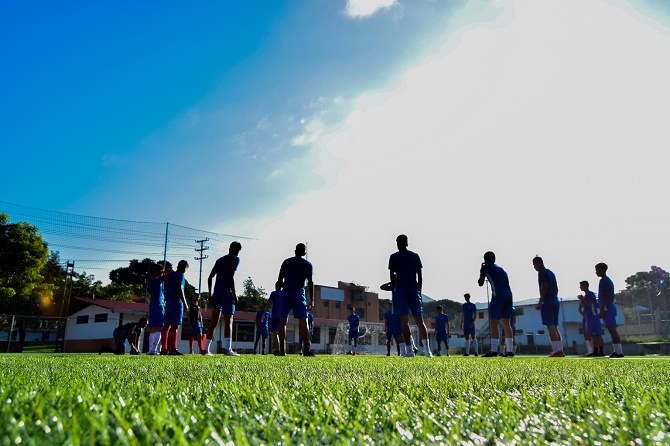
pixel 167 228
pixel 202 249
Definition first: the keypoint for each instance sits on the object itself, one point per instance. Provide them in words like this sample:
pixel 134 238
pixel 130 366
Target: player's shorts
pixel 156 315
pixel 609 315
pixel 466 328
pixel 353 334
pixel 395 326
pixel 174 311
pixel 584 324
pixel 549 312
pixel 223 302
pixel 406 300
pixel 441 336
pixel 293 301
pixel 262 333
pixel 593 324
pixel 274 324
pixel 120 337
pixel 196 328
pixel 501 307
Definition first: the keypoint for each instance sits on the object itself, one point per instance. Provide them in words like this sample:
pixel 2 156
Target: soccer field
pixel 91 399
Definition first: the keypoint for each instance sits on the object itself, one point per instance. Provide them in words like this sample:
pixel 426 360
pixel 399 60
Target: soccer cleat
pixel 476 354
pixel 308 353
pixel 415 350
pixel 558 354
pixel 437 354
pixel 409 354
pixel 207 353
pixel 466 354
pixel 616 355
pixel 490 354
pixel 446 354
pixel 428 354
pixel 176 353
pixel 100 351
pixel 388 354
pixel 152 353
pixel 509 355
pixel 230 353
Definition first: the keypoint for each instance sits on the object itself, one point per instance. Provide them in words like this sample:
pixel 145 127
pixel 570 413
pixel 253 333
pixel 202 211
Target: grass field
pixel 91 399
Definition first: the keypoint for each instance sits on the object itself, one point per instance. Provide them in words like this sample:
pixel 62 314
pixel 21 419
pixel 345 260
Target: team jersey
pixel 262 319
pixel 498 280
pixel 388 317
pixel 441 321
pixel 156 291
pixel 605 291
pixel 469 310
pixel 310 322
pixel 354 321
pixel 173 284
pixel 546 275
pixel 131 328
pixel 591 306
pixel 193 312
pixel 275 296
pixel 405 264
pixel 295 271
pixel 224 268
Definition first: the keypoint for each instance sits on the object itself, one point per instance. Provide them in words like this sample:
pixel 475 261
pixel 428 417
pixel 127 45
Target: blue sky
pixel 523 127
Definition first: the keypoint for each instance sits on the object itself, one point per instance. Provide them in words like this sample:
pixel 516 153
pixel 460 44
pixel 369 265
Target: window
pixel 332 332
pixel 325 303
pixel 581 331
pixel 481 315
pixel 102 317
pixel 337 305
pixel 519 311
pixel 360 312
pixel 82 319
pixel 357 295
pixel 243 332
pixel 316 336
pixel 531 339
pixel 540 332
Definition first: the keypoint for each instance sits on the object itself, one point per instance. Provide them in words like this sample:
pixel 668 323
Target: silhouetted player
pixel 156 309
pixel 549 305
pixel 224 298
pixel 468 324
pixel 593 328
pixel 127 332
pixel 500 308
pixel 293 273
pixel 405 272
pixel 262 322
pixel 442 330
pixel 608 309
pixel 175 304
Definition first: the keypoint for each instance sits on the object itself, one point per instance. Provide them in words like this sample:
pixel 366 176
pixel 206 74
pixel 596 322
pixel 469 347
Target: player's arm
pixel 232 288
pixel 544 287
pixel 462 319
pixel 131 341
pixel 448 328
pixel 209 284
pixel 419 279
pixel 581 305
pixel 482 276
pixel 310 288
pixel 267 306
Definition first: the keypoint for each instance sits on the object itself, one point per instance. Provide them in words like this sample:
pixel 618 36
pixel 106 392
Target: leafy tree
pixel 646 288
pixel 23 254
pixel 253 298
pixel 136 273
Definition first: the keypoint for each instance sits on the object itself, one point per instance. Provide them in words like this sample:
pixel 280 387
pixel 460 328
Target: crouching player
pixel 130 332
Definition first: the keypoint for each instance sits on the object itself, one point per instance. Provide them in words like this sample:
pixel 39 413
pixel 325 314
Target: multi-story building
pixel 334 303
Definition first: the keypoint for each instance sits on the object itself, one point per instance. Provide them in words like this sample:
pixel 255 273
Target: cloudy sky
pixel 522 127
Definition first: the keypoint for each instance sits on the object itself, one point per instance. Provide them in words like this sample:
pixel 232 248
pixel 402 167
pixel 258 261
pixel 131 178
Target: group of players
pixel 168 303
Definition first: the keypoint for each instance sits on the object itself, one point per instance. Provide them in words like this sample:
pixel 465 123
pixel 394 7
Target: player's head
pixel 143 322
pixel 278 285
pixel 467 297
pixel 601 269
pixel 352 310
pixel 439 309
pixel 300 249
pixel 156 270
pixel 584 285
pixel 538 263
pixel 235 248
pixel 401 241
pixel 489 257
pixel 182 265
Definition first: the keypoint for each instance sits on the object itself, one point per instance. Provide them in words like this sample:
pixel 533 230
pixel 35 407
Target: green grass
pixel 91 399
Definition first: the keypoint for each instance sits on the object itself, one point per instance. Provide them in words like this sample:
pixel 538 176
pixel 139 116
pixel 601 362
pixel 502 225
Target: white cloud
pixel 545 134
pixel 365 8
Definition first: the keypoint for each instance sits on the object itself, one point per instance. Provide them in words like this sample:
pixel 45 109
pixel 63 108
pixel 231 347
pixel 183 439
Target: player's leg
pixel 304 332
pixel 228 335
pixel 263 343
pixel 282 336
pixel 406 333
pixel 509 336
pixel 495 335
pixel 258 338
pixel 216 315
pixel 388 345
pixel 468 343
pixel 191 339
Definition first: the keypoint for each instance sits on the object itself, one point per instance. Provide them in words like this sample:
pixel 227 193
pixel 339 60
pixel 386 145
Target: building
pixel 334 303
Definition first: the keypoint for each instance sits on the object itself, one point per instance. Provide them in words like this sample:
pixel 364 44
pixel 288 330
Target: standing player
pixel 406 276
pixel 354 324
pixel 131 332
pixel 175 304
pixel 393 323
pixel 500 308
pixel 262 322
pixel 608 309
pixel 588 340
pixel 293 273
pixel 156 309
pixel 195 317
pixel 468 325
pixel 224 299
pixel 590 308
pixel 273 327
pixel 549 306
pixel 442 330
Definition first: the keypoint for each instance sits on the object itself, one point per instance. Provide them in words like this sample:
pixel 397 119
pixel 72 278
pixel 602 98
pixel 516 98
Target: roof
pixel 526 302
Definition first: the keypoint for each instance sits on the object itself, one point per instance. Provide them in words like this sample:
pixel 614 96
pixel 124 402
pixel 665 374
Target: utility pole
pixel 69 270
pixel 201 250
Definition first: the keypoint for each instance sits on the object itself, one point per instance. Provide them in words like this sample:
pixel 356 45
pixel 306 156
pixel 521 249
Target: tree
pixel 136 273
pixel 23 254
pixel 253 298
